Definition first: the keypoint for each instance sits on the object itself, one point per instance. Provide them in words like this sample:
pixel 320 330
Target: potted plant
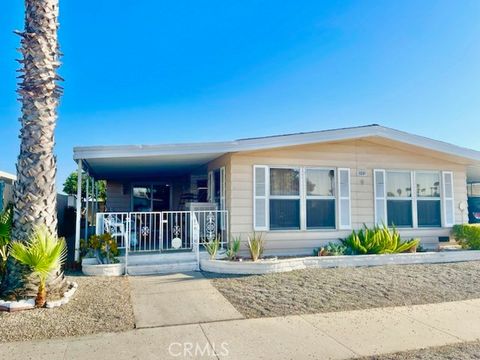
pixel 101 256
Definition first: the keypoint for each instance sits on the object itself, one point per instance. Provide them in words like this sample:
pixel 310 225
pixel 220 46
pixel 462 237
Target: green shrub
pixel 233 248
pixel 378 240
pixel 103 247
pixel 256 246
pixel 212 248
pixel 468 236
pixel 332 249
pixel 6 219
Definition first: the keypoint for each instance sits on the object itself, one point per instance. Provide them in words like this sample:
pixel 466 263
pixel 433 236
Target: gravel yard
pixel 326 290
pixel 101 304
pixel 465 351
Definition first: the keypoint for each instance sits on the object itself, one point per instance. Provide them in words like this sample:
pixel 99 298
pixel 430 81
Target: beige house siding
pixel 356 154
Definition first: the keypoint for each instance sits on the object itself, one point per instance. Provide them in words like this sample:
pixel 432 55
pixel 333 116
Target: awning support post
pixel 79 211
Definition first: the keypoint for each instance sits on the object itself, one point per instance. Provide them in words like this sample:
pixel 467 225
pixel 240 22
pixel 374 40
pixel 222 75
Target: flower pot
pixel 91 267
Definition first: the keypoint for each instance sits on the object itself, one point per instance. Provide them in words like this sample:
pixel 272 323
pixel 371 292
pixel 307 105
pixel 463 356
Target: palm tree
pixel 42 253
pixel 35 191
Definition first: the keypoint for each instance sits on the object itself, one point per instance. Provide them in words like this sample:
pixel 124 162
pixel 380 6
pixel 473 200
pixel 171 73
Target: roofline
pixel 8 176
pixel 120 151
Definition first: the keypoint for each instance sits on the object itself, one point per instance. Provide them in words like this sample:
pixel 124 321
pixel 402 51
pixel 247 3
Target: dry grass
pixel 326 290
pixel 101 304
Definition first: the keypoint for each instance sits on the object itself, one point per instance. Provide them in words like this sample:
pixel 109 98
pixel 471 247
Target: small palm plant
pixel 43 253
pixel 256 245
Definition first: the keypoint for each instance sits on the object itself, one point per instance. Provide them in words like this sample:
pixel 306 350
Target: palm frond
pixel 42 252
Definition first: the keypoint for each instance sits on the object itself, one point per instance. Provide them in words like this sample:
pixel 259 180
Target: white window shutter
pixel 222 188
pixel 260 197
pixel 211 184
pixel 344 199
pixel 379 190
pixel 448 202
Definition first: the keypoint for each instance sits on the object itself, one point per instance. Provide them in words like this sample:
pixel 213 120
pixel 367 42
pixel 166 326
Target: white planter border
pixel 91 267
pixel 283 265
pixel 29 304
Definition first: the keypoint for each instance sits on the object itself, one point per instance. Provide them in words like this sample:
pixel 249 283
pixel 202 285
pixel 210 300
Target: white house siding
pixel 355 154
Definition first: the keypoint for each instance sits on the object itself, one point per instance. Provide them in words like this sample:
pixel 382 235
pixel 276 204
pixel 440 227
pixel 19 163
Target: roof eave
pixel 276 142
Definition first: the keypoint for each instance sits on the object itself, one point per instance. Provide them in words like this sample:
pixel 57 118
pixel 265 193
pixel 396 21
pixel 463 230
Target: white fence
pixel 164 231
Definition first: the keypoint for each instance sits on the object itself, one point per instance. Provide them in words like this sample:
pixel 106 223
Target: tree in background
pixel 70 186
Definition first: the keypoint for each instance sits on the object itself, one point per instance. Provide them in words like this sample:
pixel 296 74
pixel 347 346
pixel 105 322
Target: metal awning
pixel 145 166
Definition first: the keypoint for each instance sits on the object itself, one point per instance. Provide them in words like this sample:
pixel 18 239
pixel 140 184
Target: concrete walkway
pixel 338 335
pixel 176 299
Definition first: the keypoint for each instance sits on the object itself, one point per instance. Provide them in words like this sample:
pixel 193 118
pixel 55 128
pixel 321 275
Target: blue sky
pixel 151 71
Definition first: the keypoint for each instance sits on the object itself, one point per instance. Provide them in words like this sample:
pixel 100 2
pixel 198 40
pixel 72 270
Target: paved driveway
pixel 178 299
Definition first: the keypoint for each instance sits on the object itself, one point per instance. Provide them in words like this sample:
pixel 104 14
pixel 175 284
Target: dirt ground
pixel 340 289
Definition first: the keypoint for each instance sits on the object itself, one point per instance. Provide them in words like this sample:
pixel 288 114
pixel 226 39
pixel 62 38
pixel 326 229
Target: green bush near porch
pixel 378 240
pixel 467 235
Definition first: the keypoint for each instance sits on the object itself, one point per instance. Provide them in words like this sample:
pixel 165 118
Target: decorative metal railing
pixel 166 230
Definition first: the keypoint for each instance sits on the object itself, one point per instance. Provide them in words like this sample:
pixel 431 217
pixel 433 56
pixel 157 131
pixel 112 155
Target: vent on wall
pixel 443 239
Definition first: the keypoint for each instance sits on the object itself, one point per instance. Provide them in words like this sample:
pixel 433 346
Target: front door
pixel 161 197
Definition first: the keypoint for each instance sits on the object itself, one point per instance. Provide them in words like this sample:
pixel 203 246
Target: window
pixel 216 187
pixel 421 207
pixel 290 198
pixel 473 190
pixel 151 197
pixel 320 198
pixel 284 199
pixel 399 199
pixel 428 199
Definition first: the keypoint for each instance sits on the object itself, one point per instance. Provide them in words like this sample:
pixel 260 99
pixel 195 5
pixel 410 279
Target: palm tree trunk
pixel 35 194
pixel 35 191
pixel 41 298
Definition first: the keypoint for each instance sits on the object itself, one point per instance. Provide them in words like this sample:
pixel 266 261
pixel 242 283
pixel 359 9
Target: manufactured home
pixel 300 190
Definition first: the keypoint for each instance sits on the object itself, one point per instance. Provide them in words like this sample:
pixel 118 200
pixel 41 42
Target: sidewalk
pixel 319 336
pixel 178 299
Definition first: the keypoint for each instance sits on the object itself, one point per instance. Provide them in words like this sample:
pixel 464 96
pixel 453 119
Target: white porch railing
pixel 164 231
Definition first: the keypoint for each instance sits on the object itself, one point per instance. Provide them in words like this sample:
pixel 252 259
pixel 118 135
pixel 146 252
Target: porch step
pixel 160 263
pixel 162 268
pixel 159 258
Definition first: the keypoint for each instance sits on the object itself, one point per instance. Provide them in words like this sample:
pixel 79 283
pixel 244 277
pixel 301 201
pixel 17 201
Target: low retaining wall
pixel 28 304
pixel 283 265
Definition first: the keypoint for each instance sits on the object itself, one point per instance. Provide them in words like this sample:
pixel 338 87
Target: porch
pixel 159 208
pixel 164 231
